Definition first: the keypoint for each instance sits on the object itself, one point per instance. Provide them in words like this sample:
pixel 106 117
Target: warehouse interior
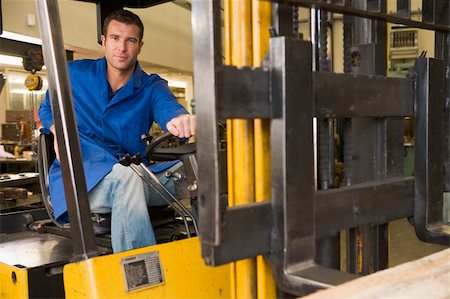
pixel 320 166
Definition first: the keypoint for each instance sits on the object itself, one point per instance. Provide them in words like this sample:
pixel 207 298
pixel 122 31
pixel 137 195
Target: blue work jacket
pixel 108 127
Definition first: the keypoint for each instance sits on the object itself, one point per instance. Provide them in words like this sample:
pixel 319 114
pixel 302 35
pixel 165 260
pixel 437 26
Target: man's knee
pixel 125 173
pixel 129 182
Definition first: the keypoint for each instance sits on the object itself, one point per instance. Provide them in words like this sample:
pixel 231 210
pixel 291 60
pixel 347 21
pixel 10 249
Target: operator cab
pixel 172 221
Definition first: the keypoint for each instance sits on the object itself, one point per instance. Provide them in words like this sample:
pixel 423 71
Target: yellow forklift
pixel 36 257
pixel 271 229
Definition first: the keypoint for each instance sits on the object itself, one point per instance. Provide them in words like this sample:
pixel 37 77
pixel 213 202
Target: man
pixel 115 102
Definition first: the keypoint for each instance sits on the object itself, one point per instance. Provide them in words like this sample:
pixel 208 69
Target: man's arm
pixel 55 141
pixel 182 126
pixel 168 113
pixel 46 118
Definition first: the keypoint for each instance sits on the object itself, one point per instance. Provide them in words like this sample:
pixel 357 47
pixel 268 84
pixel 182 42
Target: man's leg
pixel 123 193
pixel 154 199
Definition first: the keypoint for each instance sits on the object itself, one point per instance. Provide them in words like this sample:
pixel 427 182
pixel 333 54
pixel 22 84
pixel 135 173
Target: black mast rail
pixel 60 91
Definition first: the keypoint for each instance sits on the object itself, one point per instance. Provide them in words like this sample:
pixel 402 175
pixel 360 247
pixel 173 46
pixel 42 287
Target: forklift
pixel 35 256
pixel 270 226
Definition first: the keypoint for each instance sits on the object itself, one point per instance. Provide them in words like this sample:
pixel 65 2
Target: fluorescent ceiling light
pixel 179 84
pixel 21 37
pixel 25 91
pixel 19 90
pixel 11 60
pixel 16 80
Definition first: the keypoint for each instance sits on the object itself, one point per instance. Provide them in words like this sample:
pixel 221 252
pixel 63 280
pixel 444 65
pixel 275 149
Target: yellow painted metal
pixel 227 17
pixel 184 271
pixel 241 33
pixel 232 280
pixel 9 288
pixel 246 278
pixel 266 288
pixel 244 171
pixel 262 20
pixel 230 165
pixel 238 38
pixel 359 249
pixel 229 125
pixel 262 159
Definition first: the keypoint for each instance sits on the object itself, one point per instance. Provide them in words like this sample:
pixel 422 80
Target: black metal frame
pixel 286 228
pixel 435 9
pixel 430 101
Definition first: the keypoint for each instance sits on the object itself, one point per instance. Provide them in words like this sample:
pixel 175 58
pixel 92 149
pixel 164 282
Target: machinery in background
pixel 403 50
pixel 21 127
pixel 19 133
pixel 20 200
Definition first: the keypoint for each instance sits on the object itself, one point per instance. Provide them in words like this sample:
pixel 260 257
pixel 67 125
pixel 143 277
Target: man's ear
pixel 103 40
pixel 141 43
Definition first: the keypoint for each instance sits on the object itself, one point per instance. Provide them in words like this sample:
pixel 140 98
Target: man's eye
pixel 132 41
pixel 114 37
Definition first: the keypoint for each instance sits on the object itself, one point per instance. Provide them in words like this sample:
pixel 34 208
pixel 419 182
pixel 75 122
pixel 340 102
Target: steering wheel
pixel 151 142
pixel 155 153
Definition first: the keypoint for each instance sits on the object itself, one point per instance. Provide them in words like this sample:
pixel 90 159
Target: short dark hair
pixel 124 16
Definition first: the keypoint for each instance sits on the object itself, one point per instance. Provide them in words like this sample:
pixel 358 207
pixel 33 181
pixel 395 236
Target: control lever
pixel 137 160
pixel 127 160
pixel 147 140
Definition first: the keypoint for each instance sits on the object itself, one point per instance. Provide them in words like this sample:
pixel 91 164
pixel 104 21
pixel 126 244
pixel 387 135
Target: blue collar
pixel 133 83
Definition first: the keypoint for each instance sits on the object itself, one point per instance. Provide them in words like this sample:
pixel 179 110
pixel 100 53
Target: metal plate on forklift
pixel 31 249
pixel 142 270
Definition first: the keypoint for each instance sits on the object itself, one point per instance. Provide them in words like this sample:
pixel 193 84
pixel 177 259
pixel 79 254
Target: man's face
pixel 121 45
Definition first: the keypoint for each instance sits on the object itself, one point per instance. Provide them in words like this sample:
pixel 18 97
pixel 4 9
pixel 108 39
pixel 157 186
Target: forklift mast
pixel 296 86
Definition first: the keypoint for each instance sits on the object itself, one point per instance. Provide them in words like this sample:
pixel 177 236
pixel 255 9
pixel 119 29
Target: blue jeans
pixel 125 195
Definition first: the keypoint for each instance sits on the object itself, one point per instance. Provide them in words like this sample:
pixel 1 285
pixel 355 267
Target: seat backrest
pixel 46 156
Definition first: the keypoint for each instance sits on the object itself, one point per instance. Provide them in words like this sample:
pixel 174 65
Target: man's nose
pixel 122 45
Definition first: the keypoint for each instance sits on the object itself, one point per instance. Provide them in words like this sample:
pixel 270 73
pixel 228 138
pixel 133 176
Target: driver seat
pixel 46 156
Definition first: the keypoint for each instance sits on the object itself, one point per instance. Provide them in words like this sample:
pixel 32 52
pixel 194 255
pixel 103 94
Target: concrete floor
pixel 404 245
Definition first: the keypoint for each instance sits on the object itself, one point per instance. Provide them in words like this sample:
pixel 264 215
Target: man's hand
pixel 182 126
pixel 55 142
